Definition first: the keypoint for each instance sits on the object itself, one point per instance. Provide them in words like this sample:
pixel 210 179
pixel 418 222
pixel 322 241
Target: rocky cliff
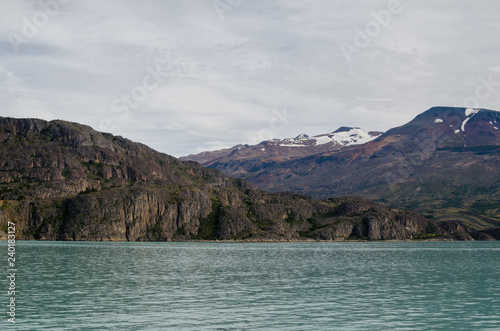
pixel 65 181
pixel 445 163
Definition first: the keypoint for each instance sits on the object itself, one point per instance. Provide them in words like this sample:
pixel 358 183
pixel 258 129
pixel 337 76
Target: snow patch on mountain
pixel 353 136
pixel 321 140
pixel 465 122
pixel 292 145
pixel 438 120
pixel 468 113
pixel 471 111
pixel 345 136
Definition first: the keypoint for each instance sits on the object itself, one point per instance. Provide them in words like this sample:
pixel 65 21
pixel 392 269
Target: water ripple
pixel 267 286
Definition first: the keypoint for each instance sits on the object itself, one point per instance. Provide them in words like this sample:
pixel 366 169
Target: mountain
pixel 444 163
pixel 245 157
pixel 205 157
pixel 65 181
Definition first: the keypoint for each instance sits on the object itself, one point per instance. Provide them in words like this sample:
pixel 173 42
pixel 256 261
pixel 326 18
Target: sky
pixel 187 76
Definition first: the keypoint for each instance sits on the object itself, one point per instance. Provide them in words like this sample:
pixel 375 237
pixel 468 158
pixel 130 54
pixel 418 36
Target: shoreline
pixel 259 241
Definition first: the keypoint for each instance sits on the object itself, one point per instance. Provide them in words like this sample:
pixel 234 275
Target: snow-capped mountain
pixel 289 148
pixel 446 156
pixel 445 163
pixel 345 136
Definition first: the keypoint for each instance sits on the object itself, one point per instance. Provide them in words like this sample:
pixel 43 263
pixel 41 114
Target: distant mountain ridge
pixel 64 181
pixel 445 162
pixel 288 148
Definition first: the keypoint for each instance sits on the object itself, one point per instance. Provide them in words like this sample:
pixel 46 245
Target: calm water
pixel 228 286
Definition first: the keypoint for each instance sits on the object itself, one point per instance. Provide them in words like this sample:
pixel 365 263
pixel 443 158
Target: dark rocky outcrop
pixel 445 163
pixel 65 181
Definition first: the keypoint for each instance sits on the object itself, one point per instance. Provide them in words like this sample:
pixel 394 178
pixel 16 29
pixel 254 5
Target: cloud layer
pixel 187 76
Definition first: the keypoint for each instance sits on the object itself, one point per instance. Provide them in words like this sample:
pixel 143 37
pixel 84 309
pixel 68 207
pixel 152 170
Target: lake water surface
pixel 254 286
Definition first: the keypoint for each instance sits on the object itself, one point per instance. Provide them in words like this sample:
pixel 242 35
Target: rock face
pixel 65 181
pixel 445 163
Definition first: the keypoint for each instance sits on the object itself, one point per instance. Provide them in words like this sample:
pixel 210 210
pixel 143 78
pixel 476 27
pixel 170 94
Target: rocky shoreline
pixel 64 181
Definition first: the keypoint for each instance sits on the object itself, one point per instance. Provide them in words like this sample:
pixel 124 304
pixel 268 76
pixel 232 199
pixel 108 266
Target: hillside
pixel 279 150
pixel 65 181
pixel 444 163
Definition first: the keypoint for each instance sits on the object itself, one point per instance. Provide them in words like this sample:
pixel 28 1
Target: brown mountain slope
pixel 444 162
pixel 279 150
pixel 65 181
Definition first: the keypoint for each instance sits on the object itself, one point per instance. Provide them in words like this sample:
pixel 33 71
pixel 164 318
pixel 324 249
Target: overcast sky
pixel 188 76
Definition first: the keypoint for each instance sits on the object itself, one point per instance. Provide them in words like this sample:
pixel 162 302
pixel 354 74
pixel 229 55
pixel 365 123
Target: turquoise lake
pixel 254 286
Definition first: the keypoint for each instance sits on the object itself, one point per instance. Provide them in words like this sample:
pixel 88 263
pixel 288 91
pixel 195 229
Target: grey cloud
pixel 221 79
